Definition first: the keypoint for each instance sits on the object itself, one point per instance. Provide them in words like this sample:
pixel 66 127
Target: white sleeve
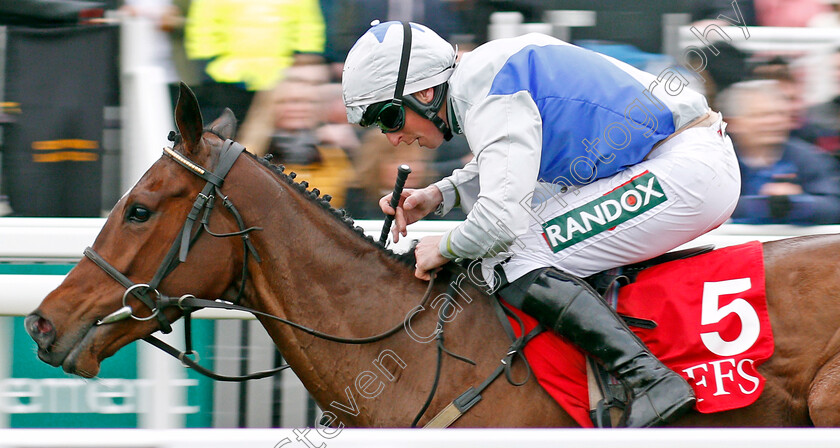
pixel 460 188
pixel 506 134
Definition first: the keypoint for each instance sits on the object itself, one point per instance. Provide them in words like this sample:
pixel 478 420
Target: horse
pixel 314 268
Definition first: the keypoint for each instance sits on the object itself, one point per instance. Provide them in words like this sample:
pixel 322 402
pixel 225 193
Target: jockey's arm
pixel 506 134
pixel 459 189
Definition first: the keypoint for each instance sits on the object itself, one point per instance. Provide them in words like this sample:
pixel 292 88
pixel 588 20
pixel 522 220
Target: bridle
pixel 150 296
pixel 148 293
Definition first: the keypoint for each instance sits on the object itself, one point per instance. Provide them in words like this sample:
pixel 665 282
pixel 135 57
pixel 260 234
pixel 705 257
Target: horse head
pixel 137 237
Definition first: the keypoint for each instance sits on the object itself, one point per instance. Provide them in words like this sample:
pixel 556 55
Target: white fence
pixel 814 46
pixel 64 239
pixel 425 438
pixel 30 240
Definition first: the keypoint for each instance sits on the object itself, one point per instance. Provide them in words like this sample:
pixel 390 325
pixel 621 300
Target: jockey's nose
pixel 394 138
pixel 41 330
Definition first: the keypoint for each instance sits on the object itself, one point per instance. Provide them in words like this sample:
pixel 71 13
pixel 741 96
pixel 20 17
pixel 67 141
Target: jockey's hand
pixel 428 257
pixel 413 206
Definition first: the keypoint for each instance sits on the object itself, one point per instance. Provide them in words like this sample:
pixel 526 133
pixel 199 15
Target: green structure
pixel 34 394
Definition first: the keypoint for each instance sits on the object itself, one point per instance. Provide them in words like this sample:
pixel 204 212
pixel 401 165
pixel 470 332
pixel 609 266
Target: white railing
pixel 32 240
pixel 814 45
pixel 63 239
pixel 44 240
pixel 765 38
pixel 422 438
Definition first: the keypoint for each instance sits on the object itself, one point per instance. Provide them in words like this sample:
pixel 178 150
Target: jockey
pixel 582 163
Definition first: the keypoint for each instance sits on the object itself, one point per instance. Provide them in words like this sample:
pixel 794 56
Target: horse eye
pixel 138 213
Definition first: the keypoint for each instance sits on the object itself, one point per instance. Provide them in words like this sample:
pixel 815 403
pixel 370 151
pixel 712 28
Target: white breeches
pixel 684 188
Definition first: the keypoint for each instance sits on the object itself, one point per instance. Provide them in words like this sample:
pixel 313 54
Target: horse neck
pixel 318 272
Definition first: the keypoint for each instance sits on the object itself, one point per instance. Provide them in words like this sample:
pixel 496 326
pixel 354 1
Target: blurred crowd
pixel 788 150
pixel 277 65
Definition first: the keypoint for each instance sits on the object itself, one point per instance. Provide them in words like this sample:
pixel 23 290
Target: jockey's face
pixel 418 128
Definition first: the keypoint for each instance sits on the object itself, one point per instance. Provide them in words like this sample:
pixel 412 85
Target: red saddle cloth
pixel 712 328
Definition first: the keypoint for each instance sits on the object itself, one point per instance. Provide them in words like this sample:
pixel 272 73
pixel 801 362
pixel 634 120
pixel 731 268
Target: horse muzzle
pixel 41 330
pixel 52 349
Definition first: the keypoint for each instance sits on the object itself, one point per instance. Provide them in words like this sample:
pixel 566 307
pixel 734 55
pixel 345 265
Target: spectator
pixel 729 66
pixel 173 21
pixel 822 121
pixel 779 69
pixel 758 12
pixel 783 179
pixel 159 50
pixel 246 45
pixel 827 19
pixel 823 126
pixel 377 170
pixel 788 12
pixel 293 112
pixel 336 130
pixel 706 12
pixel 256 130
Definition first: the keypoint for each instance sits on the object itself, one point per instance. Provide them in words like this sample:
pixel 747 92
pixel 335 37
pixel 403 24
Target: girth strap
pixel 472 396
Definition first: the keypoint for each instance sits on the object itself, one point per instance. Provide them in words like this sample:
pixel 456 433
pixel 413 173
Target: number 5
pixel 711 314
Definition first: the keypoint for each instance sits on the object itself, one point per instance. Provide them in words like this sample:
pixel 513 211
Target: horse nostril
pixel 44 326
pixel 40 329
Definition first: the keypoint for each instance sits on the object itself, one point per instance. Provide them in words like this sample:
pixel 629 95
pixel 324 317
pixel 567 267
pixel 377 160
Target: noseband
pixel 149 295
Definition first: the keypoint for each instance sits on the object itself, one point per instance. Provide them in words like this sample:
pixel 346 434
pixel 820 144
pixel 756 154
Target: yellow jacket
pixel 330 176
pixel 252 41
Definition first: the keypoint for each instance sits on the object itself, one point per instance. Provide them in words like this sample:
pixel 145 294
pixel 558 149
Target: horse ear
pixel 225 125
pixel 188 118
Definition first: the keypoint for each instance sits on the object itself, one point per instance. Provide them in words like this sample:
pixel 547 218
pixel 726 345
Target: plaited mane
pixel 314 196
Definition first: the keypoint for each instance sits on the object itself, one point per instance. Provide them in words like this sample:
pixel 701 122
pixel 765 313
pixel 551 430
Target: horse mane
pixel 408 258
pixel 314 196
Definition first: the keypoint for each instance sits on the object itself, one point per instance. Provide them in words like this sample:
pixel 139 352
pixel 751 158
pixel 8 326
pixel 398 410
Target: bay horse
pixel 317 270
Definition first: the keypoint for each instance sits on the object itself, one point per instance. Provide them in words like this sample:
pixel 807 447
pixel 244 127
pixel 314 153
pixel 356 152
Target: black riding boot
pixel 571 307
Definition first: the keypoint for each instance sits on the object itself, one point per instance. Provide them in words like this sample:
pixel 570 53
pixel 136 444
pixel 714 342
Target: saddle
pixel 606 394
pixel 603 280
pixel 607 397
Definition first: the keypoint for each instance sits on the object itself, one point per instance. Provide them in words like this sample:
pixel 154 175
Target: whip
pixel 402 175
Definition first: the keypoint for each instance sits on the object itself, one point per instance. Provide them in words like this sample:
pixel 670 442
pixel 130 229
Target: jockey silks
pixel 546 119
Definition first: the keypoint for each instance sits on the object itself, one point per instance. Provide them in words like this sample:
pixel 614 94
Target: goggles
pixel 389 116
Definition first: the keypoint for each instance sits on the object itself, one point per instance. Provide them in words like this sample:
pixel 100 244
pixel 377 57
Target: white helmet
pixel 372 65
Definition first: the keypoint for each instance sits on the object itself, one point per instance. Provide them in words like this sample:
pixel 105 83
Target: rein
pixel 149 295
